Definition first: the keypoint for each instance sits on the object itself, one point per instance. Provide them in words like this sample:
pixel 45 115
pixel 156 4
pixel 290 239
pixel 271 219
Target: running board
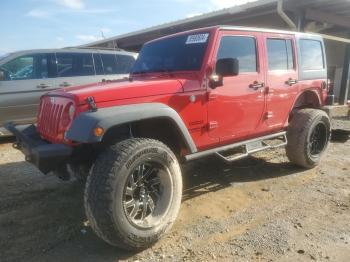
pixel 244 148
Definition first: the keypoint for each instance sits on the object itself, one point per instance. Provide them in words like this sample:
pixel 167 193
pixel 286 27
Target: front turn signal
pixel 98 131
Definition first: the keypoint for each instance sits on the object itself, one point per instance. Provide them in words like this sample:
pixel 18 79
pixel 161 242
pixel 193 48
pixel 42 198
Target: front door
pixel 27 78
pixel 235 109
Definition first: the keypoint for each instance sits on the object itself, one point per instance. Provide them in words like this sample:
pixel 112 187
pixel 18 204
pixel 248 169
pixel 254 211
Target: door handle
pixel 291 81
pixel 43 86
pixel 65 84
pixel 256 85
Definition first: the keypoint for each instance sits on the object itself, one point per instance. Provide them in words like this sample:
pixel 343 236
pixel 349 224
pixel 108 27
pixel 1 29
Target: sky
pixel 31 24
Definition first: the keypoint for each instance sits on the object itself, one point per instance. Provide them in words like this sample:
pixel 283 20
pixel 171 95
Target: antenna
pixel 115 45
pixel 102 34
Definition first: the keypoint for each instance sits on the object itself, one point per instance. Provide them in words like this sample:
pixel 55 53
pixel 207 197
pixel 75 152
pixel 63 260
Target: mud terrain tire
pixel 308 135
pixel 123 174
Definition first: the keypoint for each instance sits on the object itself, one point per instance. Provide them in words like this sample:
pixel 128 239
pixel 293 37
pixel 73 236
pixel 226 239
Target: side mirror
pixel 227 67
pixel 224 67
pixel 2 75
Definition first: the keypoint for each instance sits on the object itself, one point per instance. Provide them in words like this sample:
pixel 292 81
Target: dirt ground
pixel 258 209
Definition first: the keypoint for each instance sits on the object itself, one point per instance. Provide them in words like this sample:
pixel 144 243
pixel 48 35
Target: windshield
pixel 178 53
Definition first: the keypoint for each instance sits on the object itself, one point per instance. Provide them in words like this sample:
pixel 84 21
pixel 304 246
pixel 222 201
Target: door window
pixel 26 67
pixel 98 64
pixel 109 64
pixel 74 64
pixel 242 48
pixel 280 54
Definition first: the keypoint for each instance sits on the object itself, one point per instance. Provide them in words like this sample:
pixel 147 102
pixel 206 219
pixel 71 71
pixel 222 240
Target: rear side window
pixel 125 64
pixel 280 54
pixel 311 55
pixel 109 64
pixel 74 64
pixel 241 47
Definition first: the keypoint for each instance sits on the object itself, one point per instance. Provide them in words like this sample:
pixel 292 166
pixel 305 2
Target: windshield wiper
pixel 140 72
pixel 161 70
pixel 167 70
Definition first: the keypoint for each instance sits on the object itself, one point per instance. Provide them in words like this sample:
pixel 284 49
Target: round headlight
pixel 71 112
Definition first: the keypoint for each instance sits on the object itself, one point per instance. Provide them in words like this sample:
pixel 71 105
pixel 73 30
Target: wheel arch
pixel 152 120
pixel 309 98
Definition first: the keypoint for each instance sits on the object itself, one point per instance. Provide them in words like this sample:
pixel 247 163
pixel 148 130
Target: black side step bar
pixel 247 147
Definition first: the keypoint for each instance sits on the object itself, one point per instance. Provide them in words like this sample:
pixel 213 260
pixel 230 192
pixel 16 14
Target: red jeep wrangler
pixel 222 90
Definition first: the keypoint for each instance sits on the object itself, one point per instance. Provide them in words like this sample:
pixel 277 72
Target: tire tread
pixel 98 193
pixel 297 135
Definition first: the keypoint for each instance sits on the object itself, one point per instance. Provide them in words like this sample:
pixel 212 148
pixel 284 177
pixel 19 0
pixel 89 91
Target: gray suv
pixel 26 75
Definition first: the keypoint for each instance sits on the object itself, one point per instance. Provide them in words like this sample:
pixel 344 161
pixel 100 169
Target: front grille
pixel 49 119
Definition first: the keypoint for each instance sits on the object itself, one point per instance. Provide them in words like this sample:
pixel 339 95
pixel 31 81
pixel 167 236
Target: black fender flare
pixel 82 128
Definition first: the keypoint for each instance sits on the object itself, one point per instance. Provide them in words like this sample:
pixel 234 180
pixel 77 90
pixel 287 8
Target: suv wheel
pixel 308 135
pixel 133 193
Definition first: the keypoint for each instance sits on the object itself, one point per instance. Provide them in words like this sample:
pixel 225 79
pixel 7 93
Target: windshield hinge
pixel 91 102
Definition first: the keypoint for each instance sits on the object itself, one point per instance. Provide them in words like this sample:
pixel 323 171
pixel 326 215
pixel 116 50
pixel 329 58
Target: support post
pixel 300 20
pixel 345 81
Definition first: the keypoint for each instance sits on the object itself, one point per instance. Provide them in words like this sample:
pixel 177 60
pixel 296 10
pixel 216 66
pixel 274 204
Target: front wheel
pixel 308 136
pixel 133 193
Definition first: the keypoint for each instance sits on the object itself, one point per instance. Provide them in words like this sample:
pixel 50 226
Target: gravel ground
pixel 258 209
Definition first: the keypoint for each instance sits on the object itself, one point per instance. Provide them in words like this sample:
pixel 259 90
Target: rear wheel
pixel 308 137
pixel 133 193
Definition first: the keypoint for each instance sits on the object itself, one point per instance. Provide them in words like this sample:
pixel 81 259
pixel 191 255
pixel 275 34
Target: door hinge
pixel 211 96
pixel 268 115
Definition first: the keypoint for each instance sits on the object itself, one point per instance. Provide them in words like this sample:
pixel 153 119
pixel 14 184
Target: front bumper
pixel 45 156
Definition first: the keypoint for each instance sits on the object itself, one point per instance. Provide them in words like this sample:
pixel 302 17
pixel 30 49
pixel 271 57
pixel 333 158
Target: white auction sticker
pixel 197 39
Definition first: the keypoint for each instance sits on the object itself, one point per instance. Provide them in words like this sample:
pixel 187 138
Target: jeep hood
pixel 125 89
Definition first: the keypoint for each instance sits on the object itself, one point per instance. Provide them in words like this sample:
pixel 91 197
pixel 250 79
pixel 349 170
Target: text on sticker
pixel 197 39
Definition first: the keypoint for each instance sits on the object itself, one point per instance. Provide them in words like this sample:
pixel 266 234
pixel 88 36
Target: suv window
pixel 74 64
pixel 98 64
pixel 27 67
pixel 280 54
pixel 241 47
pixel 124 64
pixel 311 55
pixel 109 64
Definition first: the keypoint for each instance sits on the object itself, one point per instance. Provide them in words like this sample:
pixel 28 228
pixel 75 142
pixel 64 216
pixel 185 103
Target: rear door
pixel 235 109
pixel 75 69
pixel 27 78
pixel 281 79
